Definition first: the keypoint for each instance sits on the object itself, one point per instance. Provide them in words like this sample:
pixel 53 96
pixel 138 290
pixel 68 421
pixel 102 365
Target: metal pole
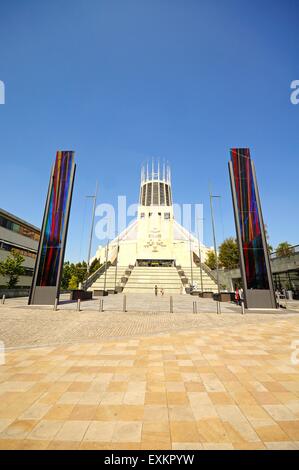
pixel 92 226
pixel 199 254
pixel 116 264
pixel 55 304
pixel 171 304
pixel 106 262
pixel 242 307
pixel 215 248
pixel 78 305
pixel 191 264
pixel 3 299
pixel 124 303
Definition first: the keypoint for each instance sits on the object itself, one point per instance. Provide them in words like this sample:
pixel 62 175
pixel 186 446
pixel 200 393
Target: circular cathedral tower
pixel 155 216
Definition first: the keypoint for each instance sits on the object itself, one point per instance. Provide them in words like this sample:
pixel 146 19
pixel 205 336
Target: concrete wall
pixel 279 265
pixel 17 239
pixel 11 293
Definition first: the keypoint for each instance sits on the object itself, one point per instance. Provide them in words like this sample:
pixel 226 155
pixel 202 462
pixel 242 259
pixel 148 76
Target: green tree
pixel 66 275
pixel 68 271
pixel 81 271
pixel 95 265
pixel 284 249
pixel 12 268
pixel 211 259
pixel 229 253
pixel 73 283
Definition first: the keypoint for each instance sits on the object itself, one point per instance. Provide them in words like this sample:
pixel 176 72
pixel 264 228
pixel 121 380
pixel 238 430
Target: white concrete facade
pixel 155 234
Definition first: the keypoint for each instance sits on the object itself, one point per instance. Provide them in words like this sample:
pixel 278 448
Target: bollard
pixel 124 303
pixel 55 305
pixel 171 304
pixel 3 299
pixel 194 307
pixel 243 308
pixel 218 307
pixel 101 306
pixel 78 305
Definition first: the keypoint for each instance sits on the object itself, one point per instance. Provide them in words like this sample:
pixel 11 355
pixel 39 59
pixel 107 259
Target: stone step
pixel 144 279
pixel 110 278
pixel 144 290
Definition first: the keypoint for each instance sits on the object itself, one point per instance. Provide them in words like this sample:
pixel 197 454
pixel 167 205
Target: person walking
pixel 237 296
pixel 156 290
pixel 277 296
pixel 241 296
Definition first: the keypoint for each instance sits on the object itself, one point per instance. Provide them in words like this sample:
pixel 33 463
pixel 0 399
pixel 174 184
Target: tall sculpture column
pixel 49 262
pixel 254 257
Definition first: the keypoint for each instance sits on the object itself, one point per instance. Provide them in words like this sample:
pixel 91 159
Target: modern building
pixel 154 249
pixel 17 234
pixel 285 272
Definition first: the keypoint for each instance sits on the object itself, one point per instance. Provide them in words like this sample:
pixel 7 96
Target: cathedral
pixel 154 250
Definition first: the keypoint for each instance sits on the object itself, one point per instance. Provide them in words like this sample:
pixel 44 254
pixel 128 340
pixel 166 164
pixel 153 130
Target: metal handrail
pixel 94 276
pixel 206 269
pixel 99 272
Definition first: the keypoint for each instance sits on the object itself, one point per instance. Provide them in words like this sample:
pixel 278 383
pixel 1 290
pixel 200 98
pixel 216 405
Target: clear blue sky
pixel 121 81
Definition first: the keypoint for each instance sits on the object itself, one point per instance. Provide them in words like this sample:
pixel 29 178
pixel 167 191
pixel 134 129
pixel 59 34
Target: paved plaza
pixel 148 378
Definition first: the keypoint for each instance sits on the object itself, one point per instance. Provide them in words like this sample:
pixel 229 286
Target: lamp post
pixel 106 257
pixel 199 254
pixel 115 278
pixel 215 247
pixel 191 267
pixel 94 197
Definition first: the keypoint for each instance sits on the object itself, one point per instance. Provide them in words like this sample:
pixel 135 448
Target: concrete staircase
pixel 209 285
pixel 99 283
pixel 144 279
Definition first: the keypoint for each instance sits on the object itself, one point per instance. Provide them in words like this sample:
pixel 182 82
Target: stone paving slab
pixel 134 303
pixel 24 326
pixel 165 381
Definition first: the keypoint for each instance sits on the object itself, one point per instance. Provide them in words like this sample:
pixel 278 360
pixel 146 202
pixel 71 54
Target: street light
pixel 106 257
pixel 215 248
pixel 94 197
pixel 115 277
pixel 191 260
pixel 199 253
